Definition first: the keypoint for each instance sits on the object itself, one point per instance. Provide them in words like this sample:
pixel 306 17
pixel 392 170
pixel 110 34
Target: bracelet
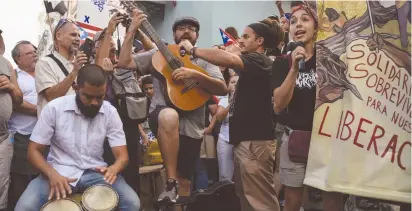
pixel 193 52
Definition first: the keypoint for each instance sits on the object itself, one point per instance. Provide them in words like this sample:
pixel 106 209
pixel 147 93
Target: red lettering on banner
pixel 374 137
pixel 374 80
pixel 392 145
pixel 392 82
pixel 358 69
pixel 400 153
pixel 340 122
pixel 405 83
pixel 401 122
pixel 379 62
pixel 374 59
pixel 359 130
pixel 385 90
pixel 345 124
pixel 357 51
pixel 376 104
pixel 321 124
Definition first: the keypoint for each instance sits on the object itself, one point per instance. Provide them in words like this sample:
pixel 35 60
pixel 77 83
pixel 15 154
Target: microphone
pixel 291 47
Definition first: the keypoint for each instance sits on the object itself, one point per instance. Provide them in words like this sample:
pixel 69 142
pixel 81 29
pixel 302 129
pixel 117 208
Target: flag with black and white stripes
pixel 55 6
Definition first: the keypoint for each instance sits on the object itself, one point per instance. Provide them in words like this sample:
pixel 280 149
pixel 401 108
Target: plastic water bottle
pixel 12 137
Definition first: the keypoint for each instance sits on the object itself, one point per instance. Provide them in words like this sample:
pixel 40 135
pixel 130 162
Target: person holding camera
pixel 56 72
pixel 106 57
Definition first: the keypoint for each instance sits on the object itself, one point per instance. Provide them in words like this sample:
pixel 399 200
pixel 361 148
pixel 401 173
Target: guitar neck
pixel 157 40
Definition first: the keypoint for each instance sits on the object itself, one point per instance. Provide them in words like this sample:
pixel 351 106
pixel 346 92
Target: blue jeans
pixel 37 193
pixel 201 178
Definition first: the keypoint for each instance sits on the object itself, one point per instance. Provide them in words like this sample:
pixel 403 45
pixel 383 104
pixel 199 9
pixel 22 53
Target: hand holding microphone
pixel 298 55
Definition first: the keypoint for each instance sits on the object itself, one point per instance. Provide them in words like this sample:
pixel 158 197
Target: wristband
pixel 193 52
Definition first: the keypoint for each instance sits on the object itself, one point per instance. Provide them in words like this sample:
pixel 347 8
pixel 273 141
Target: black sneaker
pixel 170 192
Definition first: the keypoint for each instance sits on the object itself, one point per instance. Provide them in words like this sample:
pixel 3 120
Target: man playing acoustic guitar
pixel 179 134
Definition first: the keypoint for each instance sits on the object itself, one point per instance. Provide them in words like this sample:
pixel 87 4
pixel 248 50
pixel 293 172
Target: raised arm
pixel 279 6
pixel 216 56
pixel 48 84
pixel 104 48
pixel 126 57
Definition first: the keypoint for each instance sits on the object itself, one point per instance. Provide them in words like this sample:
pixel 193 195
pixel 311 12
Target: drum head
pixel 62 205
pixel 100 198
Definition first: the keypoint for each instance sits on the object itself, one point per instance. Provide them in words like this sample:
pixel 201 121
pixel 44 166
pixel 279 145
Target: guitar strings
pixel 172 61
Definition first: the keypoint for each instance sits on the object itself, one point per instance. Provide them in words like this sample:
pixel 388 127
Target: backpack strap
pixel 66 73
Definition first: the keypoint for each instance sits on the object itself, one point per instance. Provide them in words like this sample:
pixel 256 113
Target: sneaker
pixel 170 192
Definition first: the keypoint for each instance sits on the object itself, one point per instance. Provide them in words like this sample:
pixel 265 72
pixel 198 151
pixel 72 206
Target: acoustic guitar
pixel 186 94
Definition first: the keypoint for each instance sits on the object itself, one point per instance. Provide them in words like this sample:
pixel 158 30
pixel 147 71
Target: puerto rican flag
pixel 87 31
pixel 227 39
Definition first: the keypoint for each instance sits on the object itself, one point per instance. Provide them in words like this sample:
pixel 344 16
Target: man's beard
pixel 73 50
pixel 185 37
pixel 87 111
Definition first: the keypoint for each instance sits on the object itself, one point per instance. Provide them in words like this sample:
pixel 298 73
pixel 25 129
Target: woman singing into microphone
pixel 294 96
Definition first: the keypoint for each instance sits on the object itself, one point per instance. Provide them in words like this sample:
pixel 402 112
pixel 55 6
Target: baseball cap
pixel 99 35
pixel 274 17
pixel 186 20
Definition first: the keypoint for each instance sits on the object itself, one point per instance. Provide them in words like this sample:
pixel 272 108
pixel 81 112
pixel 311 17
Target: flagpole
pixel 371 19
pixel 69 9
pixel 50 25
pixel 370 16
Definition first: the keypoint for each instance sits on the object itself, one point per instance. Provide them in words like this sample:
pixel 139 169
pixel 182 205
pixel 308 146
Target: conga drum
pixel 61 205
pixel 100 198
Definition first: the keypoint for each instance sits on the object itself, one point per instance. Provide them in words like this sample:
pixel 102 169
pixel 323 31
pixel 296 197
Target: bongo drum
pixel 62 205
pixel 100 198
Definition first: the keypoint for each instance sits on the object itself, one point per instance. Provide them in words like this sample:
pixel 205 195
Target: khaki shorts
pixel 254 175
pixel 291 174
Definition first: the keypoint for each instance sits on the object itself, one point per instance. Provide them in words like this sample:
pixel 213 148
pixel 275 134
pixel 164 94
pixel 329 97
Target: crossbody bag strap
pixel 66 73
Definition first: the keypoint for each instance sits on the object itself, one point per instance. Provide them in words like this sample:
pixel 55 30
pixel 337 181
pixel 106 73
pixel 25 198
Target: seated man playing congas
pixel 75 127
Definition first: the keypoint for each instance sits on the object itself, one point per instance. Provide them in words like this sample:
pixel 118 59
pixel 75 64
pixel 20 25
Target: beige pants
pixel 6 154
pixel 254 175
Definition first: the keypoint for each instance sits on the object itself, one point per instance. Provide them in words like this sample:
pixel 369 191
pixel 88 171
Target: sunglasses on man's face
pixel 61 23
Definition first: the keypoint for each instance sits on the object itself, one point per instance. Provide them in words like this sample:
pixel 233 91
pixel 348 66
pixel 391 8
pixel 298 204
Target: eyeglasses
pixel 35 52
pixel 61 23
pixel 190 28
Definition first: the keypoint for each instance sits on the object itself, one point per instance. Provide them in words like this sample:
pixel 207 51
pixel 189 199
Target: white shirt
pixel 76 142
pixel 224 129
pixel 23 123
pixel 48 74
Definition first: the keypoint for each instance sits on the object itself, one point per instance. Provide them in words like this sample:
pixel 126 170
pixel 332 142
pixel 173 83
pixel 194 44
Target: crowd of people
pixel 65 126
